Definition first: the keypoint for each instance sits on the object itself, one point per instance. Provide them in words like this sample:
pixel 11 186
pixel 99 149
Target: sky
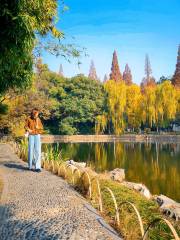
pixel 133 28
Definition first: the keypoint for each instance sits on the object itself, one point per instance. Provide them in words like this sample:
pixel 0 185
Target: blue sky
pixel 132 27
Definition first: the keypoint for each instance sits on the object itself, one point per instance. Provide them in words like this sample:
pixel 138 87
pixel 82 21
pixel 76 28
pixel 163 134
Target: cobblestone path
pixel 42 206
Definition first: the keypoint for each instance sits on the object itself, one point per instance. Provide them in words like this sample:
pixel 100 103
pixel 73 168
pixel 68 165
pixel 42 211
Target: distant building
pixel 61 71
pixel 92 71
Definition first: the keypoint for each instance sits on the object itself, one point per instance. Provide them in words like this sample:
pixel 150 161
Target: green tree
pixel 22 23
pixel 81 100
pixel 19 103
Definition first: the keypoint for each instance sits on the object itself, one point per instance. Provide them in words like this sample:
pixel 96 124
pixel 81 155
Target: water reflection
pixel 154 164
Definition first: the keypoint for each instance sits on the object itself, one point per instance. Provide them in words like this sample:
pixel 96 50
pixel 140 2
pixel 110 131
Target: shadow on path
pixel 101 220
pixel 16 166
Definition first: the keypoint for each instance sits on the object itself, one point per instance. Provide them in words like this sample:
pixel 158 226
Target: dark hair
pixel 34 109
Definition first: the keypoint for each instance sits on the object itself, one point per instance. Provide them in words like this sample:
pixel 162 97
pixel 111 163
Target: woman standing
pixel 34 128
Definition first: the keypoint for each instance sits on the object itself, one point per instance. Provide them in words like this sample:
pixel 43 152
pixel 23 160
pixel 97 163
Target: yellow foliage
pixel 116 104
pixel 101 123
pixel 166 102
pixel 133 105
pixel 148 105
pixel 14 120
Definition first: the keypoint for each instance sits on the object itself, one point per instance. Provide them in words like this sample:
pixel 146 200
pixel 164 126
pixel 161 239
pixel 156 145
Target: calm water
pixel 156 165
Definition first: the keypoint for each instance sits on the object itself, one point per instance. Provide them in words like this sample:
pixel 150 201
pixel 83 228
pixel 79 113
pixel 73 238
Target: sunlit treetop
pixel 23 24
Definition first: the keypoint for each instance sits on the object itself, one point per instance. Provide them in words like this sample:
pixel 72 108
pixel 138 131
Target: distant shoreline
pixel 148 138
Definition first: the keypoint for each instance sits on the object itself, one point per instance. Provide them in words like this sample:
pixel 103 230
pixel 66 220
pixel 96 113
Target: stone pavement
pixel 42 206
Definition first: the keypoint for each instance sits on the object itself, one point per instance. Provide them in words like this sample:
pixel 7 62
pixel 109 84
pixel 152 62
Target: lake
pixel 157 165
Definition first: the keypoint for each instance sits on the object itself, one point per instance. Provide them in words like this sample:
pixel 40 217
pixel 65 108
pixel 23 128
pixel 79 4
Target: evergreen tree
pixel 61 71
pixel 127 76
pixel 105 78
pixel 92 71
pixel 176 77
pixel 148 80
pixel 115 71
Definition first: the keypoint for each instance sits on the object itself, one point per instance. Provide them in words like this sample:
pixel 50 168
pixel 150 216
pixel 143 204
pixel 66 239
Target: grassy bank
pixel 129 226
pixel 126 210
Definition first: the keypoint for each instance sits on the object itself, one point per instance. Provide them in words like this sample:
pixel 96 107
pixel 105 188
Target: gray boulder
pixel 77 164
pixel 141 188
pixel 118 174
pixel 169 207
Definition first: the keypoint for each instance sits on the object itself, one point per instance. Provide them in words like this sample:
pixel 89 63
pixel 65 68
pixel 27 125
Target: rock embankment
pixel 168 206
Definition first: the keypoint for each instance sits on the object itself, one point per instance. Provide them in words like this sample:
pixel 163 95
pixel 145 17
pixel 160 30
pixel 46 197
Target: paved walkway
pixel 42 206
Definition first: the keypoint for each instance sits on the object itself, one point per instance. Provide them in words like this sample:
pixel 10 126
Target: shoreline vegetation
pixel 130 213
pixel 82 105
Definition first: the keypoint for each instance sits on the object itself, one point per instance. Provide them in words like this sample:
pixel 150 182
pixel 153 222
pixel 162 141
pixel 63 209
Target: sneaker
pixel 38 170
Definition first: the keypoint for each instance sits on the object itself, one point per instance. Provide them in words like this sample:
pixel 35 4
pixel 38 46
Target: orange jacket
pixel 33 126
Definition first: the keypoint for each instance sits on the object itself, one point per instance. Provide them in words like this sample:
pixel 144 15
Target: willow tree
pixel 101 123
pixel 116 103
pixel 133 106
pixel 148 106
pixel 166 103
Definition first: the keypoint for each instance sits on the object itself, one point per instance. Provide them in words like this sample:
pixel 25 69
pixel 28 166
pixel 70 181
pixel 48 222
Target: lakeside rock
pixel 118 174
pixel 77 164
pixel 169 206
pixel 141 188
